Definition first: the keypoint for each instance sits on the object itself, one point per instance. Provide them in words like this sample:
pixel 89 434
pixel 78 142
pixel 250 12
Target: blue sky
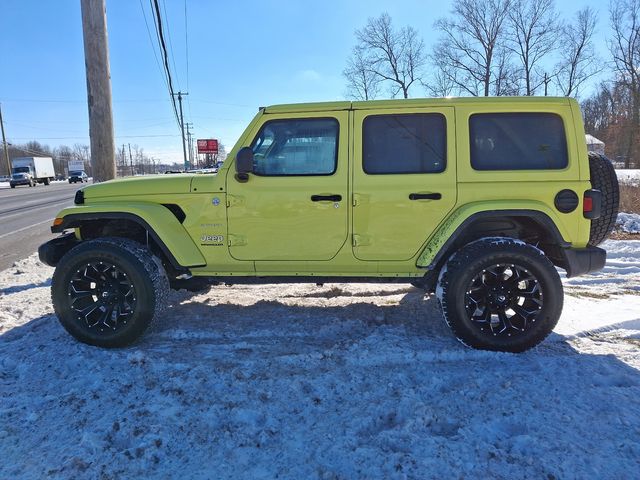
pixel 241 55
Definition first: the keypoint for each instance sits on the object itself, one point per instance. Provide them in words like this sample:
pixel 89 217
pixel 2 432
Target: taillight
pixel 592 204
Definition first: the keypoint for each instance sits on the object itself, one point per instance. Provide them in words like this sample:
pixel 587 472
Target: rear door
pixel 404 179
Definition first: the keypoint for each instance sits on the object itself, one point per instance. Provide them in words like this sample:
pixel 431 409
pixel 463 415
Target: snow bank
pixel 628 222
pixel 629 176
pixel 340 382
pixel 5 185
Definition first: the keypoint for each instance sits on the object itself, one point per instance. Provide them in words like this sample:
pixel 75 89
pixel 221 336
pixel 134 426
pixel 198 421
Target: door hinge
pixel 360 240
pixel 234 200
pixel 237 240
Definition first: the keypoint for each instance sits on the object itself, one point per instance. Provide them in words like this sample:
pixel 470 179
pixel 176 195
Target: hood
pixel 134 186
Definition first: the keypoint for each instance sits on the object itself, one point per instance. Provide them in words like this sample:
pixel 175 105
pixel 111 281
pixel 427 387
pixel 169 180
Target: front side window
pixel 296 147
pixel 396 144
pixel 517 141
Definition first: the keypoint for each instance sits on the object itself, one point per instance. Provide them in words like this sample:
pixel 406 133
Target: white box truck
pixel 76 171
pixel 31 171
pixel 75 165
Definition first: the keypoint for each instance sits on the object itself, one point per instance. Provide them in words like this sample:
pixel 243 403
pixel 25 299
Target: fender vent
pixel 566 201
pixel 176 210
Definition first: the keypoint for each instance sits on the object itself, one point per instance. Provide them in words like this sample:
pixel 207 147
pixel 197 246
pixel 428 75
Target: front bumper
pixel 51 252
pixel 24 181
pixel 578 261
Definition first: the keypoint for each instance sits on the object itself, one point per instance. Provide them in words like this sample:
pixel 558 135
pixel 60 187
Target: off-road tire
pixel 469 262
pixel 603 178
pixel 137 264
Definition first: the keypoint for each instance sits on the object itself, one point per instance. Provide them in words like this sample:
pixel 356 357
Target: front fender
pixel 157 219
pixel 455 224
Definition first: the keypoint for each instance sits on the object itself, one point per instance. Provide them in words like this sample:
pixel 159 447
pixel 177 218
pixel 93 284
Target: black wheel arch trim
pixel 536 215
pixel 73 220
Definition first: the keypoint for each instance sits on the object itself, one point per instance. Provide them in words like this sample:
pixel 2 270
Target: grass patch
pixel 629 198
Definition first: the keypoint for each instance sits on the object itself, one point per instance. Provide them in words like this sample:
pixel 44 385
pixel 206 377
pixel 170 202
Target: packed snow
pixel 628 222
pixel 333 382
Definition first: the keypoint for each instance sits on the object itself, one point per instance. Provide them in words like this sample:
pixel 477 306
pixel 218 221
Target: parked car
pixel 475 199
pixel 78 176
pixel 5 178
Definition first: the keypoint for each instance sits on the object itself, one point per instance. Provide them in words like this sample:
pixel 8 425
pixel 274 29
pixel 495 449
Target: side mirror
pixel 244 164
pixel 244 160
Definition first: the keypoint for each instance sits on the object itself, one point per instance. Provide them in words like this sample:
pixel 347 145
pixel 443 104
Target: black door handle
pixel 326 198
pixel 425 196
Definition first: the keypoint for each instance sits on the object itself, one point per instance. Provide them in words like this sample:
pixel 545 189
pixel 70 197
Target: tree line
pixel 130 159
pixel 511 47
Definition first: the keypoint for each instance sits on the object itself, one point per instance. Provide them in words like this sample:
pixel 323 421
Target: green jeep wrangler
pixel 475 199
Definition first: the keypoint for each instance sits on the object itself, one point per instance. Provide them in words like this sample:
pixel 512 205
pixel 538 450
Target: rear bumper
pixel 51 252
pixel 578 261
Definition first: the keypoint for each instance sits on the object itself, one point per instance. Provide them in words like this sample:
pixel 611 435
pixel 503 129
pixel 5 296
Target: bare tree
pixel 440 84
pixel 386 55
pixel 533 35
pixel 625 49
pixel 362 82
pixel 578 60
pixel 472 39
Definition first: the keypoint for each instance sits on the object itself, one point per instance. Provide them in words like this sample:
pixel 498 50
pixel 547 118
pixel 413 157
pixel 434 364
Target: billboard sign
pixel 208 146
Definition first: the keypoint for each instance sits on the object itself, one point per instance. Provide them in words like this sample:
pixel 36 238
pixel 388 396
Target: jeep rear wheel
pixel 603 178
pixel 106 292
pixel 500 294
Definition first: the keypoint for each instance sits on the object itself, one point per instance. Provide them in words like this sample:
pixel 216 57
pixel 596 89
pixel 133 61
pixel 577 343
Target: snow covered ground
pixel 8 185
pixel 629 176
pixel 333 382
pixel 628 222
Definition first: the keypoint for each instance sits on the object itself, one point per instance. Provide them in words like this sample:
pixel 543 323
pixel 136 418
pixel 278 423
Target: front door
pixel 294 205
pixel 404 179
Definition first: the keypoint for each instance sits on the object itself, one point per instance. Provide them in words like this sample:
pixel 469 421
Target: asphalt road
pixel 26 213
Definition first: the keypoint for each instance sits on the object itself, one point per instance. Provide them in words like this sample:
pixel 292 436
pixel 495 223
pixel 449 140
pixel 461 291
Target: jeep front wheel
pixel 106 292
pixel 500 294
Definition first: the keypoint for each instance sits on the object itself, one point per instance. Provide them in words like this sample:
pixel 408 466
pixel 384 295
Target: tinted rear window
pixel 517 141
pixel 413 143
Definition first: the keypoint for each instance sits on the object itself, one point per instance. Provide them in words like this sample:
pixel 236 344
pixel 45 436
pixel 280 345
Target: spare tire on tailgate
pixel 603 178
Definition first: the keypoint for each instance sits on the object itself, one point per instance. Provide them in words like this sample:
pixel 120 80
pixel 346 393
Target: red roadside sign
pixel 209 145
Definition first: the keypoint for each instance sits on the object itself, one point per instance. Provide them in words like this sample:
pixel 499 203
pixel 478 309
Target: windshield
pixel 21 170
pixel 75 173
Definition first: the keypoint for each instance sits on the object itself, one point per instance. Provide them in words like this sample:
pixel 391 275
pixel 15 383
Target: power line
pixel 86 137
pixel 186 52
pixel 163 46
pixel 186 41
pixel 136 100
pixel 168 30
pixel 153 48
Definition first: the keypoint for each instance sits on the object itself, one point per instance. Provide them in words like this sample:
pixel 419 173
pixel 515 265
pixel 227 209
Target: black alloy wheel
pixel 102 295
pixel 503 300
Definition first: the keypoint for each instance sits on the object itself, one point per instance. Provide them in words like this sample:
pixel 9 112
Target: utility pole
pixel 188 126
pixel 131 161
pixel 4 144
pixel 184 147
pixel 96 54
pixel 124 161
